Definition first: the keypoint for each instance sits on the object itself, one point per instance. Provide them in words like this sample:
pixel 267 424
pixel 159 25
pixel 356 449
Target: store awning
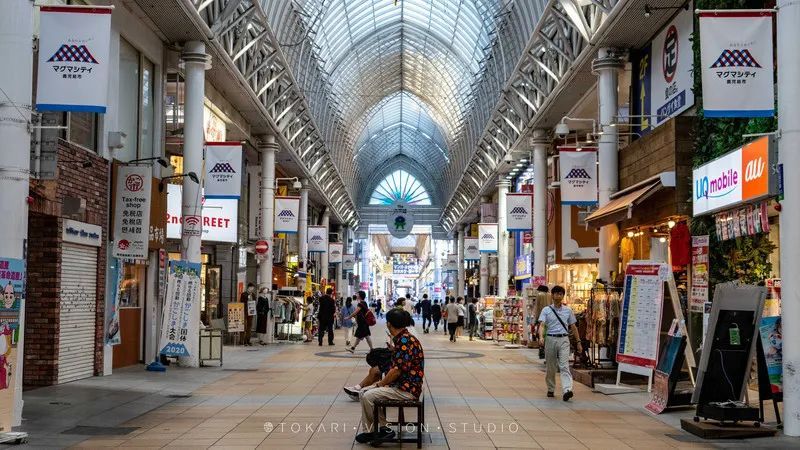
pixel 622 203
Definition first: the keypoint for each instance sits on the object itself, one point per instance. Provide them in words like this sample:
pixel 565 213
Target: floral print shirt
pixel 409 359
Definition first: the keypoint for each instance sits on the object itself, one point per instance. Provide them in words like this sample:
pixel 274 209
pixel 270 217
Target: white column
pixel 365 265
pixel 606 66
pixel 540 143
pixel 484 267
pixel 437 269
pixel 268 147
pixel 196 63
pixel 302 233
pixel 502 237
pixel 16 31
pixel 460 290
pixel 789 126
pixel 326 221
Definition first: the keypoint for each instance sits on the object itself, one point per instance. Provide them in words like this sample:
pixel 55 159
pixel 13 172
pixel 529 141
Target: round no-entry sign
pixel 262 247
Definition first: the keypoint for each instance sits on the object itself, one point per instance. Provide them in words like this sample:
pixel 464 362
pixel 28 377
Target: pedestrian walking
pixel 436 314
pixel 472 315
pixel 425 307
pixel 325 316
pixel 559 321
pixel 462 313
pixel 347 322
pixel 362 323
pixel 452 310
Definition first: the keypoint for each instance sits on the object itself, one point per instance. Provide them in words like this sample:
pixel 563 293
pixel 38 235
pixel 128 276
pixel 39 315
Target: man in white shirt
pixel 559 320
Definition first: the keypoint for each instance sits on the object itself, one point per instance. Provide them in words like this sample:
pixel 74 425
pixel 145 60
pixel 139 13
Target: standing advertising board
pixel 12 281
pixel 132 196
pixel 771 333
pixel 640 321
pixel 700 272
pixel 179 328
pixel 235 317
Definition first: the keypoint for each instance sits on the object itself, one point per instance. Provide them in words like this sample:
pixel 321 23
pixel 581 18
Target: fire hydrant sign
pixel 132 192
pixel 73 58
pixel 641 314
pixel 179 330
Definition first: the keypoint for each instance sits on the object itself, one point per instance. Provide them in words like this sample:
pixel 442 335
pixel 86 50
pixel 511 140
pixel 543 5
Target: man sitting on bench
pixel 403 382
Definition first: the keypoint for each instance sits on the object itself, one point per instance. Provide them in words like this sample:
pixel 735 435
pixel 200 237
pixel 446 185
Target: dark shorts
pixel 460 322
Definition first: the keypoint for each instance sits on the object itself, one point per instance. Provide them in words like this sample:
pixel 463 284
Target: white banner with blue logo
pixel 223 166
pixel 472 250
pixel 519 212
pixel 578 172
pixel 287 211
pixel 335 252
pixel 487 237
pixel 179 326
pixel 348 262
pixel 73 58
pixel 736 57
pixel 317 239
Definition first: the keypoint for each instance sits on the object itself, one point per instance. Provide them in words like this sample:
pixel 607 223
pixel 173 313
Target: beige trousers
pixel 556 355
pixel 369 398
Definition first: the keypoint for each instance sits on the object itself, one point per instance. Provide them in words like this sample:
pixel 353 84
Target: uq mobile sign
pixel 746 174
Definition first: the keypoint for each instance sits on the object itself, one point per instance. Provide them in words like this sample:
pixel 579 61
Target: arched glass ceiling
pixel 400 186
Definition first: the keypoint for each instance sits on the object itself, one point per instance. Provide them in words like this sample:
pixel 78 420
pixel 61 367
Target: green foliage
pixel 745 259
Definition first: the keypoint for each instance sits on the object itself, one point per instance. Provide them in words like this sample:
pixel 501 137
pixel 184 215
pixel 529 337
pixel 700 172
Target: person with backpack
pixel 364 319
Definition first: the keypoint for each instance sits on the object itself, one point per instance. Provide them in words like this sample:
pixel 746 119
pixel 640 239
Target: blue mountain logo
pixel 73 53
pixel 519 210
pixel 222 168
pixel 578 173
pixel 286 213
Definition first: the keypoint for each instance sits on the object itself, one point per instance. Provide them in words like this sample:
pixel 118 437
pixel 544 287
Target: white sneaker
pixel 352 392
pixel 351 350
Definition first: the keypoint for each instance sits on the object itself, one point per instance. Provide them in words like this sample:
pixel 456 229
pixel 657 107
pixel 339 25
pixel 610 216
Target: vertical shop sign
pixel 640 321
pixel 179 329
pixel 471 249
pixel 487 237
pixel 12 281
pixel 223 165
pixel 254 201
pixel 519 212
pixel 736 58
pixel 112 329
pixel 317 239
pixel 287 212
pixel 578 175
pixel 700 273
pixel 73 58
pixel 132 192
pixel 158 216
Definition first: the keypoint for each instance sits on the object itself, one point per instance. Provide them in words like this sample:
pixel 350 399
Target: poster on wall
pixel 700 273
pixel 471 249
pixel 663 74
pixel 640 321
pixel 317 239
pixel 132 197
pixel 73 58
pixel 12 280
pixel 112 329
pixel 578 175
pixel 348 262
pixel 487 237
pixel 220 217
pixel 736 59
pixel 179 327
pixel 235 317
pixel 223 166
pixel 335 251
pixel 287 213
pixel 519 212
pixel 254 202
pixel 771 333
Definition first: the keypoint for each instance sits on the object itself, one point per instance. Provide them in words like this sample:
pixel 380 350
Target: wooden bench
pixel 401 420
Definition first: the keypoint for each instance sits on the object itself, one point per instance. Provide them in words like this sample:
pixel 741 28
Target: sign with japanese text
pixel 519 212
pixel 179 326
pixel 158 216
pixel 348 262
pixel 223 166
pixel 317 239
pixel 640 320
pixel 254 202
pixel 700 273
pixel 235 317
pixel 132 192
pixel 400 221
pixel 471 250
pixel 219 219
pixel 287 212
pixel 12 282
pixel 335 251
pixel 113 336
pixel 487 237
pixel 578 175
pixel 73 58
pixel 736 59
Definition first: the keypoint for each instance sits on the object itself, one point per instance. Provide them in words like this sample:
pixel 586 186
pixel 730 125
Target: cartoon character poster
pixel 12 284
pixel 772 338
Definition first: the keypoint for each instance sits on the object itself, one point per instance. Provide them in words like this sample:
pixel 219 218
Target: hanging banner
pixel 223 165
pixel 12 282
pixel 179 327
pixel 287 213
pixel 700 273
pixel 317 239
pixel 578 172
pixel 73 58
pixel 112 329
pixel 640 323
pixel 254 202
pixel 736 59
pixel 132 195
pixel 522 267
pixel 471 250
pixel 519 212
pixel 335 251
pixel 348 262
pixel 487 237
pixel 399 221
pixel 452 263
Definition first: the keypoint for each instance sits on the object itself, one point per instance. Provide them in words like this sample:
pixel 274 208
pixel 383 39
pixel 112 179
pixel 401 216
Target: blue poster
pixel 772 339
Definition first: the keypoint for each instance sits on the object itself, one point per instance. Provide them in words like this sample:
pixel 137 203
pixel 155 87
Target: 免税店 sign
pixel 743 175
pixel 219 219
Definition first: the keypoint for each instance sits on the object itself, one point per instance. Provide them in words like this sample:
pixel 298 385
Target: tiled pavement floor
pixel 479 395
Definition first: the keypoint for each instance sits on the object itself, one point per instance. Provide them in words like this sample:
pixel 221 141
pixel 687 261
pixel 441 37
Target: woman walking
pixel 452 311
pixel 347 322
pixel 362 327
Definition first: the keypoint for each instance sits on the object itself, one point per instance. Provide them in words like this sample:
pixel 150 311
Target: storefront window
pixel 136 112
pixel 131 293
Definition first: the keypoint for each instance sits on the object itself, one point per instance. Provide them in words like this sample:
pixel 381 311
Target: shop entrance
pixel 131 299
